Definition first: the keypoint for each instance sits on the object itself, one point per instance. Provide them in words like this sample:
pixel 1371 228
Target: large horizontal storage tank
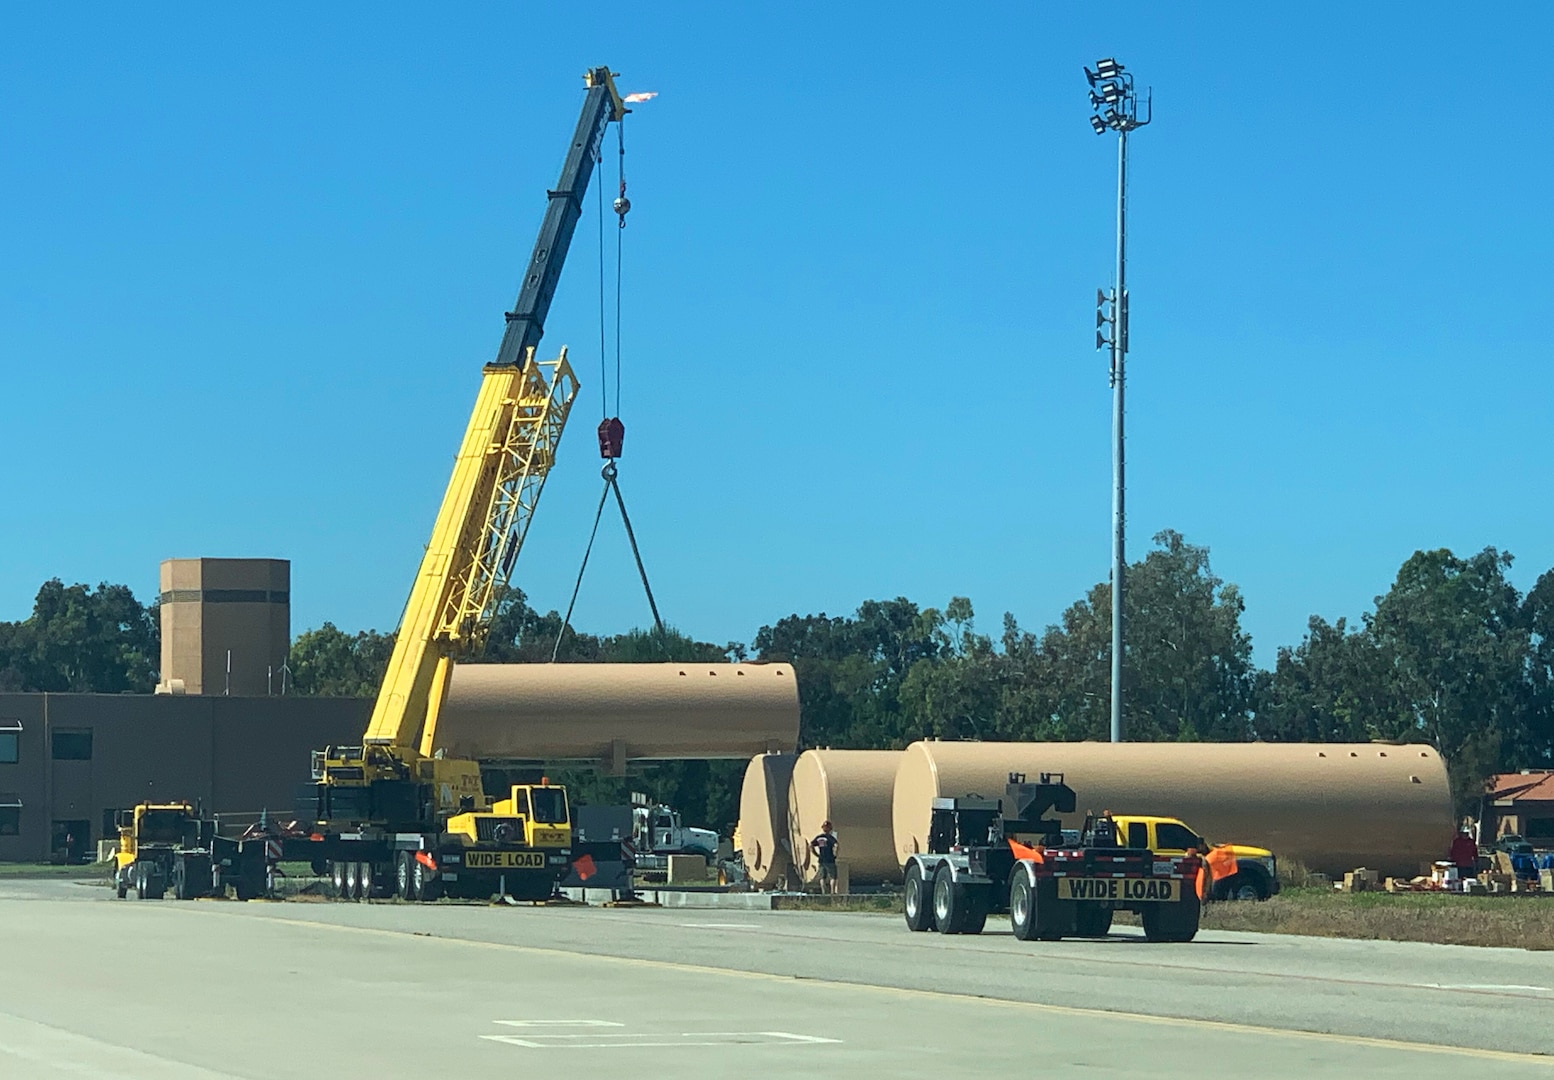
pixel 1332 807
pixel 616 713
pixel 851 789
pixel 763 819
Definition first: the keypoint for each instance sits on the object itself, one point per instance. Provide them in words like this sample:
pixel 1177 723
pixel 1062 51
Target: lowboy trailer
pixel 982 861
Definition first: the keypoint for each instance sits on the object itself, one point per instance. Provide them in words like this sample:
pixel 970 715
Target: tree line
pixel 1451 654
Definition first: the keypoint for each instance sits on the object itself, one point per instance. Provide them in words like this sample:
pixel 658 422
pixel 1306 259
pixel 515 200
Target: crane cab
pixel 532 816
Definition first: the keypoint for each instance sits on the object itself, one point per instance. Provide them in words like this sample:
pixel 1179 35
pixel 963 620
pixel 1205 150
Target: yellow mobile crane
pixel 391 814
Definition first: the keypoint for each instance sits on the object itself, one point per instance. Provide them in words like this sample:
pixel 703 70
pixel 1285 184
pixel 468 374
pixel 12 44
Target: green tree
pixel 81 640
pixel 1337 685
pixel 850 670
pixel 957 692
pixel 1188 674
pixel 1455 633
pixel 1538 620
pixel 328 662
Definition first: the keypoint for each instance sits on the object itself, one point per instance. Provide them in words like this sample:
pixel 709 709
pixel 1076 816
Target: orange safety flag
pixel 1221 862
pixel 1203 882
pixel 425 860
pixel 585 867
pixel 1025 851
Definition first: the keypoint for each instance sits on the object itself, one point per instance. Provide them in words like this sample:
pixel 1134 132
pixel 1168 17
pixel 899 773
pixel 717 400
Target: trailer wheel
pixel 977 904
pixel 337 879
pixel 914 900
pixel 121 883
pixel 950 903
pixel 1171 922
pixel 1092 920
pixel 353 881
pixel 181 880
pixel 402 861
pixel 1022 905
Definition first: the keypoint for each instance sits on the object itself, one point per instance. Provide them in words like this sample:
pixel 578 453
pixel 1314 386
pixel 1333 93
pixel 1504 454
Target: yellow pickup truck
pixel 1257 873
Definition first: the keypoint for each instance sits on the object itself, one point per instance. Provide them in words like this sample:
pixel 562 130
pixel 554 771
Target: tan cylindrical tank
pixel 615 713
pixel 763 819
pixel 1332 807
pixel 851 789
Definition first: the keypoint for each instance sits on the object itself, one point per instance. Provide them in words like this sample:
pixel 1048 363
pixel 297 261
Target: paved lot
pixel 94 987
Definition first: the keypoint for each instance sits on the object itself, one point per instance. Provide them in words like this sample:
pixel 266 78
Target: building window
pixel 10 741
pixel 73 745
pixel 10 815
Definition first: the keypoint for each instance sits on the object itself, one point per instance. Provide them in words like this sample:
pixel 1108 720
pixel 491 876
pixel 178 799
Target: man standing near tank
pixel 825 846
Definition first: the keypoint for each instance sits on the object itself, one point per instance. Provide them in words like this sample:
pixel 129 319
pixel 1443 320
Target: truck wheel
pixel 1022 905
pixel 402 862
pixel 337 879
pixel 353 881
pixel 949 902
pixel 976 908
pixel 121 883
pixel 1092 920
pixel 1171 922
pixel 154 885
pixel 423 885
pixel 181 880
pixel 915 903
pixel 1241 886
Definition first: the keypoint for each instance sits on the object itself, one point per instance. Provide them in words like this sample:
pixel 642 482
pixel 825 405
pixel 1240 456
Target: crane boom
pixel 507 451
pixel 526 322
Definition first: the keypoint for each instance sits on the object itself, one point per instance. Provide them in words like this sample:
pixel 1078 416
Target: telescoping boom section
pixel 507 451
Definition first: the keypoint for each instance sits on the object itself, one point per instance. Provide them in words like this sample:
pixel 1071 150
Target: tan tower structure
pixel 226 626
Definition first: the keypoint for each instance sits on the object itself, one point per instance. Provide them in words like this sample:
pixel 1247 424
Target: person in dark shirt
pixel 825 846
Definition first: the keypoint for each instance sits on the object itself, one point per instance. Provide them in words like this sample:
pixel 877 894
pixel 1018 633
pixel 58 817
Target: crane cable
pixel 610 438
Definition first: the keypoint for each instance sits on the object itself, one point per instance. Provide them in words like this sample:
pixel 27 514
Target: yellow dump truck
pixel 1256 875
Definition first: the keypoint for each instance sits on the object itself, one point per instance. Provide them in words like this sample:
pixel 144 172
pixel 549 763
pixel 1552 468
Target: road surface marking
pixel 639 1040
pixel 557 1023
pixel 720 926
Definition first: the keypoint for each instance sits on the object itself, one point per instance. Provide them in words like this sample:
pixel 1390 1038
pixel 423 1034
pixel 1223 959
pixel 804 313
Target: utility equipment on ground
pixel 981 861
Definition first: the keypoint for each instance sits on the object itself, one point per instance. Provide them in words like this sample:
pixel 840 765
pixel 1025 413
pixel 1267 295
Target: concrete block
pixel 687 869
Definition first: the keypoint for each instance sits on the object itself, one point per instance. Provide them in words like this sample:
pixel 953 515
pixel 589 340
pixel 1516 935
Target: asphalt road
pixel 94 987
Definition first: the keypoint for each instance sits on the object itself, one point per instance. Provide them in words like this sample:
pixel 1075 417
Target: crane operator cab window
pixel 549 806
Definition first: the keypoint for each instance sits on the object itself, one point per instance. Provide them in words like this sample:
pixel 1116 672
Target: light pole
pixel 1114 107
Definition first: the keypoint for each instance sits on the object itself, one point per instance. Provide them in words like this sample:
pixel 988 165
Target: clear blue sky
pixel 253 260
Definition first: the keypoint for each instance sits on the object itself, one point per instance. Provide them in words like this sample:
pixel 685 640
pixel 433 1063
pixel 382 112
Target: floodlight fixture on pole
pixel 1115 107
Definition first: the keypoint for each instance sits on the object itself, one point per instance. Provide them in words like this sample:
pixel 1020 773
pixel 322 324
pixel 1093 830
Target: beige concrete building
pixel 226 626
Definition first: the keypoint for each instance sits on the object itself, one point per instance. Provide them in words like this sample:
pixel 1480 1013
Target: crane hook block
pixel 622 204
pixel 612 438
